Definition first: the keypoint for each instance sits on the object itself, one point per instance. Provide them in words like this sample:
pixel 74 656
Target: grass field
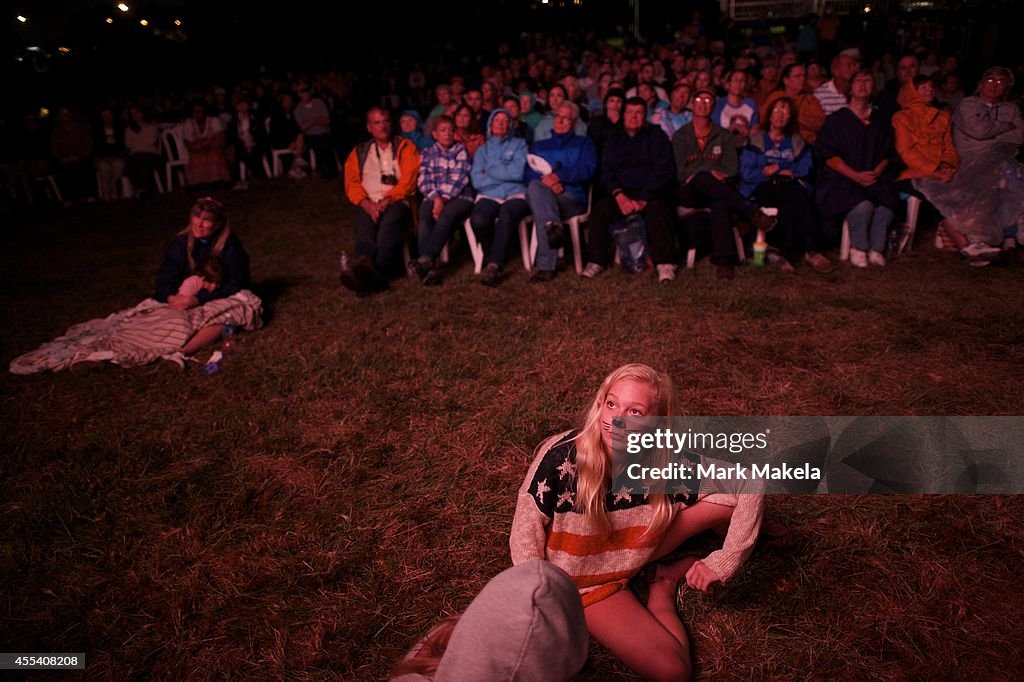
pixel 349 477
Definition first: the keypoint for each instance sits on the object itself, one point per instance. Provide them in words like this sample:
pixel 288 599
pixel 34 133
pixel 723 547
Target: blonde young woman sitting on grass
pixel 567 514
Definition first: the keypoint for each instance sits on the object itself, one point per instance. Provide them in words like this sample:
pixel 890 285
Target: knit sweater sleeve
pixel 536 503
pixel 747 500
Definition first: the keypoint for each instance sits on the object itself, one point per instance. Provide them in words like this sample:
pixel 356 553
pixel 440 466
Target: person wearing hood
pixel 561 192
pixel 410 123
pixel 924 141
pixel 924 136
pixel 605 124
pixel 527 623
pixel 985 199
pixel 499 168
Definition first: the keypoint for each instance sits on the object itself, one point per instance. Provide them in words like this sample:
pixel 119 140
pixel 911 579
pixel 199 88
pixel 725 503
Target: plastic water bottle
pixel 760 248
pixel 894 243
pixel 230 337
pixel 229 347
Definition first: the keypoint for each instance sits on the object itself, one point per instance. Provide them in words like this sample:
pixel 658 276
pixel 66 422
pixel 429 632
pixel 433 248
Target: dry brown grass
pixel 349 478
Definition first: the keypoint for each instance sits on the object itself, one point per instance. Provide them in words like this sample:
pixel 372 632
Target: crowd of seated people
pixel 747 125
pixel 831 154
pixel 121 149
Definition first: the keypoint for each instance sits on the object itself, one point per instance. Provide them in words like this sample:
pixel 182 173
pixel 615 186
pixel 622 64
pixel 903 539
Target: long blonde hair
pixel 592 458
pixel 215 210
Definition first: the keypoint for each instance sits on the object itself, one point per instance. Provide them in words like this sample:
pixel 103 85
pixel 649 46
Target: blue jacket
pixel 642 165
pixel 573 159
pixel 544 128
pixel 174 268
pixel 499 164
pixel 792 154
pixel 417 137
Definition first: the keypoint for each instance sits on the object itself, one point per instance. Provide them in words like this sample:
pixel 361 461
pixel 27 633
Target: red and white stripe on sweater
pixel 546 526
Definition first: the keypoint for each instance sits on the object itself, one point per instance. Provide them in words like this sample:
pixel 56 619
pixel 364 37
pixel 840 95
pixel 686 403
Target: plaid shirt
pixel 445 172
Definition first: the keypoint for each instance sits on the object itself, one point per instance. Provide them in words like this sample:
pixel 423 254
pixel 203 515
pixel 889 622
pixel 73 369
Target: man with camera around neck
pixel 380 179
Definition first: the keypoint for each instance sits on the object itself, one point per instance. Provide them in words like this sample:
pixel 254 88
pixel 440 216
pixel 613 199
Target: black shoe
pixel 350 281
pixel 556 234
pixel 542 276
pixel 367 274
pixel 419 268
pixel 491 275
pixel 432 278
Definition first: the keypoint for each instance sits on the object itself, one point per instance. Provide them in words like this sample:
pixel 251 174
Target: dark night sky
pixel 227 39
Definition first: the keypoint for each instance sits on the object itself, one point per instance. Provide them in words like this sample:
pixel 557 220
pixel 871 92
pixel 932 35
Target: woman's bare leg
pixel 639 639
pixel 203 337
pixel 661 601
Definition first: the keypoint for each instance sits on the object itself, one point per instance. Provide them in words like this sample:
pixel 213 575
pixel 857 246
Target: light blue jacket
pixel 499 165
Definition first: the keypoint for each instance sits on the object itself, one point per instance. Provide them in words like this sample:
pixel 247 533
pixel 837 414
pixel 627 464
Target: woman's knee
pixel 675 667
pixel 864 208
pixel 480 221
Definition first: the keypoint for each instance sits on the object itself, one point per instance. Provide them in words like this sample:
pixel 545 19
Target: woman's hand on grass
pixel 700 577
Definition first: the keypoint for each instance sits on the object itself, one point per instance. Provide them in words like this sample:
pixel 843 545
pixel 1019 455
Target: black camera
pixel 388 179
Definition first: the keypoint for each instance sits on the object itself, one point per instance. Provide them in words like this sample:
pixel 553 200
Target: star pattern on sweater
pixel 542 488
pixel 681 489
pixel 567 468
pixel 623 494
pixel 566 497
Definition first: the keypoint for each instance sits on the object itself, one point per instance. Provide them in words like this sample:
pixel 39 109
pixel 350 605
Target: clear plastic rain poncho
pixel 987 194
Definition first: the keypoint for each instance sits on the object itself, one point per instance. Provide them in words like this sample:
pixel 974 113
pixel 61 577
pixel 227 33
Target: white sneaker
pixel 666 272
pixel 977 250
pixel 592 270
pixel 858 258
pixel 877 259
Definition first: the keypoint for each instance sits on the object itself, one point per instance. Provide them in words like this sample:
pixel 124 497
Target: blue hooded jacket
pixel 417 137
pixel 573 159
pixel 499 164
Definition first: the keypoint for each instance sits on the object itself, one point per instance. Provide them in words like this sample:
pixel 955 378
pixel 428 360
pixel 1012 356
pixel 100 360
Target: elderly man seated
pixel 557 176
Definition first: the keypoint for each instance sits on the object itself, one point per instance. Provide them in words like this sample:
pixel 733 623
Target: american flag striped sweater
pixel 547 527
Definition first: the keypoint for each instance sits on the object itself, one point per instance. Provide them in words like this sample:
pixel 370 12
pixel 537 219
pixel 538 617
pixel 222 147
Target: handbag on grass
pixel 630 236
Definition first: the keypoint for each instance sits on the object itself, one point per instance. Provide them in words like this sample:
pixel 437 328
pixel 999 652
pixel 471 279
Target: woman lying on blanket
pixel 207 236
pixel 567 514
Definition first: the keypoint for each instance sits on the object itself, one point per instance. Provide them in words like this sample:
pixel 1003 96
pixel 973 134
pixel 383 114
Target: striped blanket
pixel 139 335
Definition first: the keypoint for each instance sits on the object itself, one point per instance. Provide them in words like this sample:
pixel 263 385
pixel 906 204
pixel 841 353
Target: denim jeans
pixel 547 207
pixel 382 240
pixel 497 223
pixel 869 226
pixel 434 234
